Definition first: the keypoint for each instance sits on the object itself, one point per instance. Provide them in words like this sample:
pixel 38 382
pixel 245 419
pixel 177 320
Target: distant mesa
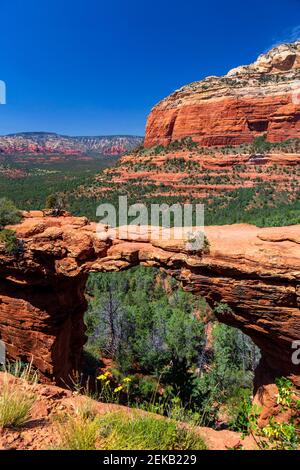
pixel 254 271
pixel 44 143
pixel 251 100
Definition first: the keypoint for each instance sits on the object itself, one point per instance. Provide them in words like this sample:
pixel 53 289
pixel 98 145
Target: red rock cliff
pixel 256 271
pixel 261 98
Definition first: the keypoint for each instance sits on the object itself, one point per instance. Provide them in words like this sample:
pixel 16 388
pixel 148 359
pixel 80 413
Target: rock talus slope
pixel 261 98
pixel 255 271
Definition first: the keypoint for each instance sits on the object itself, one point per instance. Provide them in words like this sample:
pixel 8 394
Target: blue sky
pixel 97 67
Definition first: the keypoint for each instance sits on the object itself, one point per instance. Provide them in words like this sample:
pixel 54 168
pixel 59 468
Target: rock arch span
pixel 256 271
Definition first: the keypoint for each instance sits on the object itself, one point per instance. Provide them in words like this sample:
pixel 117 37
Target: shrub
pixel 15 404
pixel 222 308
pixel 198 243
pixel 239 408
pixel 85 407
pixel 22 370
pixel 9 214
pixel 280 436
pixel 11 243
pixel 260 144
pixel 58 202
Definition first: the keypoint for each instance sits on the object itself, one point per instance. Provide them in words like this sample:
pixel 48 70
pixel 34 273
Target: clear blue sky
pixel 91 67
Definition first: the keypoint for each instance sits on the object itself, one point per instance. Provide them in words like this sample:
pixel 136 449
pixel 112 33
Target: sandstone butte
pixel 255 271
pixel 261 98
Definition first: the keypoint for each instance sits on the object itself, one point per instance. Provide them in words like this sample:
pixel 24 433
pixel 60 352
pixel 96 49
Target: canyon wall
pixel 261 98
pixel 255 271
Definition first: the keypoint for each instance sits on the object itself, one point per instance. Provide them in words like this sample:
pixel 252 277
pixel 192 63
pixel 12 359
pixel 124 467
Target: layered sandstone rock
pixel 261 98
pixel 255 271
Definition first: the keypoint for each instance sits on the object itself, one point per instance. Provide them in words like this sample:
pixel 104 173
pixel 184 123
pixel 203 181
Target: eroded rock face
pixel 261 98
pixel 255 271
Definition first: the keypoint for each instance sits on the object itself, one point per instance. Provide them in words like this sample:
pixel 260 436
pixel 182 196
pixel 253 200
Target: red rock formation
pixel 262 98
pixel 256 271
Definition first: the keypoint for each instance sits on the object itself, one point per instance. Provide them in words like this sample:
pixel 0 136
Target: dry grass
pixel 15 403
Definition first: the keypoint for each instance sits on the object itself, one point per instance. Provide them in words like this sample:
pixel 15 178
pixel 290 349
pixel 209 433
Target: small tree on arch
pixel 58 202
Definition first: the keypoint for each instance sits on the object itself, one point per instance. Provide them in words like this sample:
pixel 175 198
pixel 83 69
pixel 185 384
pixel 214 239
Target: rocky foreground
pixel 52 404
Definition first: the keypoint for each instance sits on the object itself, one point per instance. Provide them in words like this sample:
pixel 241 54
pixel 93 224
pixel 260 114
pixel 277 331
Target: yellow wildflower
pixel 103 376
pixel 118 389
pixel 126 380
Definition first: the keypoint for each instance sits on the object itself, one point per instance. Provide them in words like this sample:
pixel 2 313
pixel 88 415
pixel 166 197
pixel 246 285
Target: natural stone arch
pixel 255 271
